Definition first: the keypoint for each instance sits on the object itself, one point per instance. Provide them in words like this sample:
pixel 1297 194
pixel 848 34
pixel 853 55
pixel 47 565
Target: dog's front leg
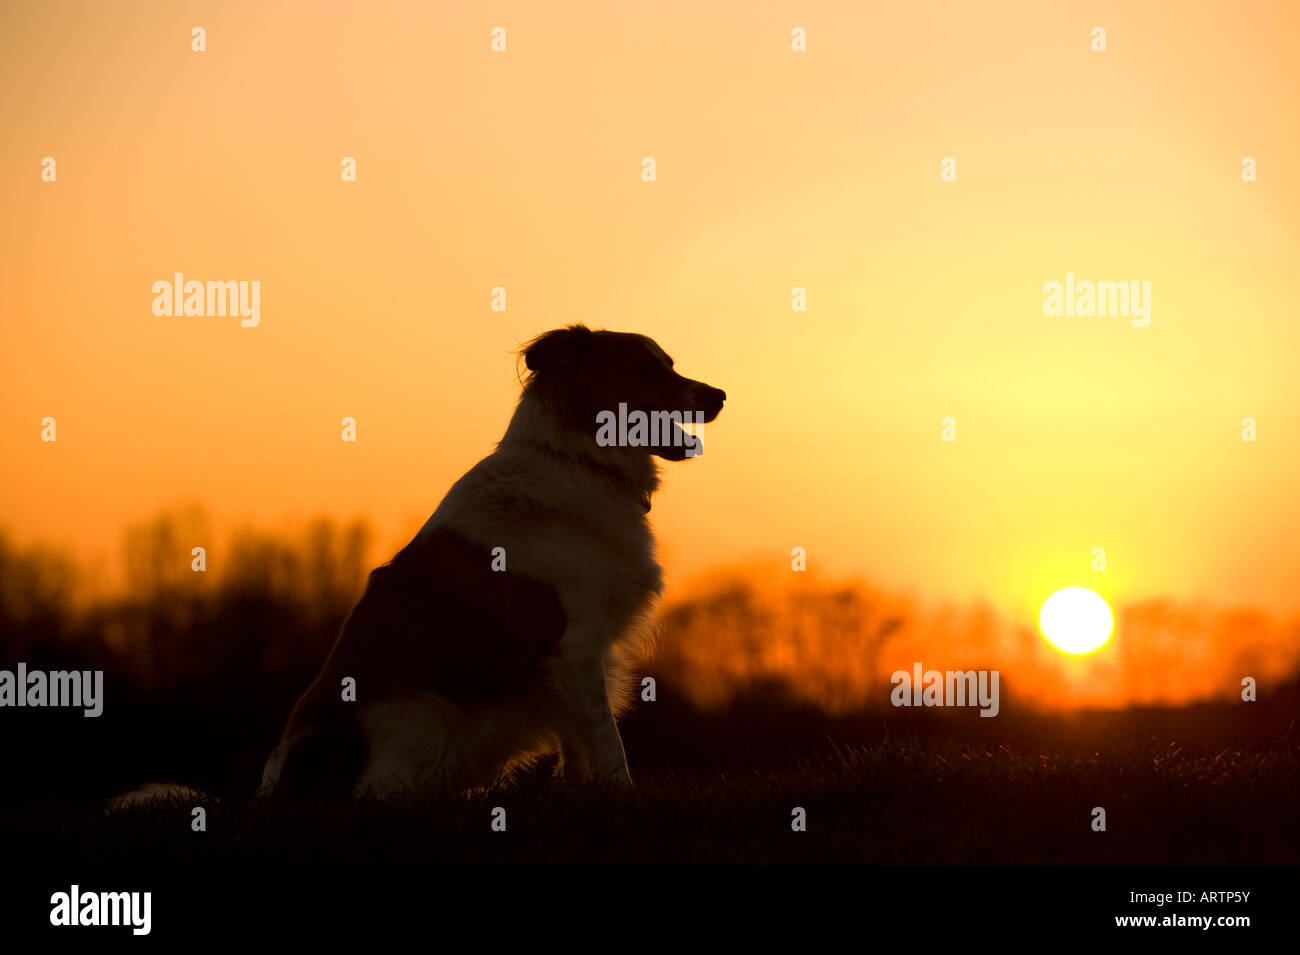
pixel 590 744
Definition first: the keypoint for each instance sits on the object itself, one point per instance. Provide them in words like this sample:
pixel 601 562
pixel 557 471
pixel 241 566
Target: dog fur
pixel 462 671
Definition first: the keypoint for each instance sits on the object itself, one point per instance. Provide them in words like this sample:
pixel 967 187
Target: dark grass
pixel 1215 783
pixel 900 800
pixel 199 685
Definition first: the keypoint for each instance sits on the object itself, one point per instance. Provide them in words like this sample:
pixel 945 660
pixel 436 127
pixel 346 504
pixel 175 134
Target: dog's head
pixel 584 376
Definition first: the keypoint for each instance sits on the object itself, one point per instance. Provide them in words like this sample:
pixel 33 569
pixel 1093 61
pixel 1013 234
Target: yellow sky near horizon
pixel 775 169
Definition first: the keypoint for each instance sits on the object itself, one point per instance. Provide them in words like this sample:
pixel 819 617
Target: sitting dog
pixel 507 628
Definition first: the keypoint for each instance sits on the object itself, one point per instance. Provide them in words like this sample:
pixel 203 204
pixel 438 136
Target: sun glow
pixel 1076 620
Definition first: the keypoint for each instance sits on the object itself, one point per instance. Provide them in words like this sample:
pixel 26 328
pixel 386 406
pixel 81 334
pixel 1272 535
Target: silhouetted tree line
pixel 201 668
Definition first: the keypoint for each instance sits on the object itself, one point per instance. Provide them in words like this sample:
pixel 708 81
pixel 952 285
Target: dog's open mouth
pixel 690 445
pixel 681 443
pixel 664 433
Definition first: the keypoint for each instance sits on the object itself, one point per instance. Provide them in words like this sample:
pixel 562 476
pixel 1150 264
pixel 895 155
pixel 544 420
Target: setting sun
pixel 1076 620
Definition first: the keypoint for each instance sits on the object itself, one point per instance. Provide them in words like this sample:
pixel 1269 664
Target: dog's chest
pixel 605 581
pixel 592 546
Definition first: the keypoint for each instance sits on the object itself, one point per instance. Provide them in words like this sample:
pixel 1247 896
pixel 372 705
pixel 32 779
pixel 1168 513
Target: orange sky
pixel 775 169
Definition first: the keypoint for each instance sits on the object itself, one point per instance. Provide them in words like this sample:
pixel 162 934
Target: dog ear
pixel 555 349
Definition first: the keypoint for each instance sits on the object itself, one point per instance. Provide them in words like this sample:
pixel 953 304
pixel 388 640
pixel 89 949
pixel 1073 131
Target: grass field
pixel 198 686
pixel 902 800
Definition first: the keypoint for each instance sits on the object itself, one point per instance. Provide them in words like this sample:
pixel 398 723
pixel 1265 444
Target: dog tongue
pixel 687 438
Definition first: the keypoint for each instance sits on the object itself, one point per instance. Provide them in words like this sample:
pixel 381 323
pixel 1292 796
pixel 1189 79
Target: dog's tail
pixel 153 793
pixel 326 760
